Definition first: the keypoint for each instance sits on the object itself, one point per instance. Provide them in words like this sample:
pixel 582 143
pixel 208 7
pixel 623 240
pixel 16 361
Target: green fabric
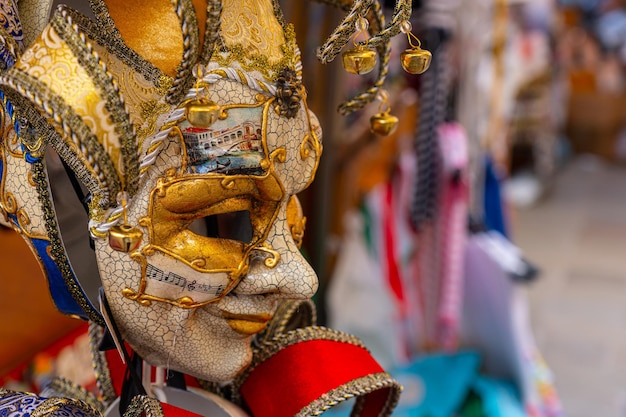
pixel 367 229
pixel 472 407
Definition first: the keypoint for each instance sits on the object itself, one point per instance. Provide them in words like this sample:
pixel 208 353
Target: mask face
pixel 217 253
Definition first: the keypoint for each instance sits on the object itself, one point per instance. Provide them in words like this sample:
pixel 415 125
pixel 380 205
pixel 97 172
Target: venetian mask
pixel 186 126
pixel 192 146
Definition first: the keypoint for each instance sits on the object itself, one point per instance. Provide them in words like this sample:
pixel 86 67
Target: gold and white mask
pixel 186 123
pixel 192 143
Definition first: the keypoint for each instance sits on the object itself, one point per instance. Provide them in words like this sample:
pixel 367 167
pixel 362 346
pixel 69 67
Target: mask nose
pixel 292 277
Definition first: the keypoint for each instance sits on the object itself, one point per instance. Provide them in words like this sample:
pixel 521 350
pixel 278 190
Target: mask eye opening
pixel 236 225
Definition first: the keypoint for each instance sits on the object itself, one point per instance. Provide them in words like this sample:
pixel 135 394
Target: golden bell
pixel 125 238
pixel 415 60
pixel 383 123
pixel 359 60
pixel 202 112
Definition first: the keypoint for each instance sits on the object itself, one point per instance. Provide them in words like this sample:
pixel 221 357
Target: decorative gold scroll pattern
pixel 51 61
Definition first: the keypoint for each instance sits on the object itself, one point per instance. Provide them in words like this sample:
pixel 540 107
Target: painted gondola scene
pixel 230 146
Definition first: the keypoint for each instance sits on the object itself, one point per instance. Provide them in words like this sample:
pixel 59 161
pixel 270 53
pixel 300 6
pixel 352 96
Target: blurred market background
pixel 538 90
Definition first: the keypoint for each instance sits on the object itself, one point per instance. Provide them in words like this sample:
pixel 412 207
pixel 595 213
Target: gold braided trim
pixel 109 89
pixel 57 250
pixel 100 364
pixel 184 76
pixel 107 35
pixel 49 408
pixel 358 388
pixel 32 121
pixel 290 315
pixel 91 153
pixel 380 40
pixel 281 341
pixel 278 12
pixel 401 13
pixel 62 387
pixel 384 51
pixel 342 33
pixel 142 404
pixel 211 34
pixel 39 179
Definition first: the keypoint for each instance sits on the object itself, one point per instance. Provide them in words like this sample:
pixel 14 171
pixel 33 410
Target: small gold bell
pixel 359 60
pixel 202 112
pixel 415 60
pixel 383 123
pixel 125 238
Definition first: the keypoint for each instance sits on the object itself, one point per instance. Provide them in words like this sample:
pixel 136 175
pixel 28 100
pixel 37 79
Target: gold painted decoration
pixel 15 197
pixel 219 256
pixel 195 215
pixel 296 220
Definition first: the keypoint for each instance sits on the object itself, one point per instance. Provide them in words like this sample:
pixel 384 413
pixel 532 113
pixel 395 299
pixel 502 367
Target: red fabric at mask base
pixel 301 373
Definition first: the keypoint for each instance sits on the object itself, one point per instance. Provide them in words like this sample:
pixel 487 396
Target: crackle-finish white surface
pixel 200 341
pixel 577 236
pixel 19 194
